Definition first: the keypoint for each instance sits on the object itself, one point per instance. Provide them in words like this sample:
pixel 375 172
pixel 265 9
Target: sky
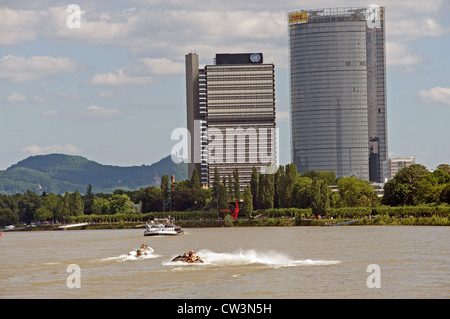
pixel 111 86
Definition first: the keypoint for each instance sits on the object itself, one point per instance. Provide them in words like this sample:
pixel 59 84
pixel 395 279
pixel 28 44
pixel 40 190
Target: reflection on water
pixel 267 262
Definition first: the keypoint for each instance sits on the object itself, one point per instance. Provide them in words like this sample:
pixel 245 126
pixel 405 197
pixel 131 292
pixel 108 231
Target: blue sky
pixel 113 90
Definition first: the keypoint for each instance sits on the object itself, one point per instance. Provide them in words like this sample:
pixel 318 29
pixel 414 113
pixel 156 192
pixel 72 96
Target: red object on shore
pixel 235 212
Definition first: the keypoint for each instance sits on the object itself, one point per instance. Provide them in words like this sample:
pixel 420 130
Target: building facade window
pixel 338 103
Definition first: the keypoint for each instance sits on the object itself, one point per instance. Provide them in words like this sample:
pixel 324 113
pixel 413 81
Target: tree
pixel 254 185
pixel 261 182
pixel 43 213
pixel 445 194
pixel 100 206
pixel 76 204
pixel 395 193
pixel 230 188
pixel 120 204
pixel 279 180
pixel 427 190
pixel 184 196
pixel 329 177
pixel 247 205
pixel 195 179
pixel 268 191
pixel 442 177
pixel 88 200
pixel 28 204
pixel 165 190
pixel 236 185
pixel 403 188
pixel 216 187
pixel 289 180
pixel 66 207
pixel 444 167
pixel 152 200
pixel 319 196
pixel 8 217
pixel 301 192
pixel 324 195
pixel 352 188
pixel 49 208
pixel 223 198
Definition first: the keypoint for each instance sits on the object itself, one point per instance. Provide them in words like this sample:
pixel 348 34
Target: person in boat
pixel 144 246
pixel 190 256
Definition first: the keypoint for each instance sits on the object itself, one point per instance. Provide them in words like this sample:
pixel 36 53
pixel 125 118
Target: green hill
pixel 58 173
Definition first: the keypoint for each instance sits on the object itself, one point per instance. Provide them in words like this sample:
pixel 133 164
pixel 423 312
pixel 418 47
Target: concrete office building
pixel 396 164
pixel 230 116
pixel 338 92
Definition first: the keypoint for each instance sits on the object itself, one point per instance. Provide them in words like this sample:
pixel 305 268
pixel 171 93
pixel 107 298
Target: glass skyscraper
pixel 338 91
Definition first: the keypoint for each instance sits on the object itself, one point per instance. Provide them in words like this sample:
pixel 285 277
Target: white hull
pixel 163 227
pixel 157 231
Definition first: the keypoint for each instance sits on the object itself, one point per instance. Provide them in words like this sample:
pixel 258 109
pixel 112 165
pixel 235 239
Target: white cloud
pixel 15 97
pixel 67 95
pixel 399 54
pixel 100 112
pixel 97 25
pixel 38 150
pixel 18 69
pixel 119 78
pixel 167 30
pixel 109 94
pixel 436 95
pixel 283 116
pixel 414 29
pixel 21 25
pixel 142 72
pixel 161 66
pixel 92 112
pixel 50 112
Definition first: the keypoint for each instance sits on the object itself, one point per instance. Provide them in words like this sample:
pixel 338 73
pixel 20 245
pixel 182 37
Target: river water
pixel 260 262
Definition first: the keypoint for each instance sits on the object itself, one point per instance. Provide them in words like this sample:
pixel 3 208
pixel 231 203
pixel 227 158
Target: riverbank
pixel 379 220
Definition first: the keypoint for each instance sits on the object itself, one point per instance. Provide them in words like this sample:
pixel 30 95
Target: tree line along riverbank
pixel 414 196
pixel 382 216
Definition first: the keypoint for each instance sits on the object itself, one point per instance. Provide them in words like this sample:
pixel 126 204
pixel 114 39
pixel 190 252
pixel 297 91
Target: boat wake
pixel 253 257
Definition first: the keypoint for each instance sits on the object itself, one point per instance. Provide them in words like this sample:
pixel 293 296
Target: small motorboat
pixel 188 258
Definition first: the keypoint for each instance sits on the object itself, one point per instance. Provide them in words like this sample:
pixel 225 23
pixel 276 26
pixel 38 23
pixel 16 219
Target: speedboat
pixel 161 227
pixel 185 258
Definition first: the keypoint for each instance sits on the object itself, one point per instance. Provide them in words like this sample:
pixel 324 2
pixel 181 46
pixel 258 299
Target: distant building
pixel 396 164
pixel 338 91
pixel 230 116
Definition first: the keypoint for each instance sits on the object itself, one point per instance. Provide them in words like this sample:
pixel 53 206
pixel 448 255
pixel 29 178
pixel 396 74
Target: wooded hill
pixel 59 173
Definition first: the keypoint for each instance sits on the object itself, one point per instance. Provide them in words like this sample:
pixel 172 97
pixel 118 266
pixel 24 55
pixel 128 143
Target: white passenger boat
pixel 163 227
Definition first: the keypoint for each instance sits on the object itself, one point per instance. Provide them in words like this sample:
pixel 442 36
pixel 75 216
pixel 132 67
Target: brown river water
pixel 260 262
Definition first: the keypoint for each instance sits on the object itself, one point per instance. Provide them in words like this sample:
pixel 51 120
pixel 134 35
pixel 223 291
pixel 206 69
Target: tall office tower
pixel 231 116
pixel 338 91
